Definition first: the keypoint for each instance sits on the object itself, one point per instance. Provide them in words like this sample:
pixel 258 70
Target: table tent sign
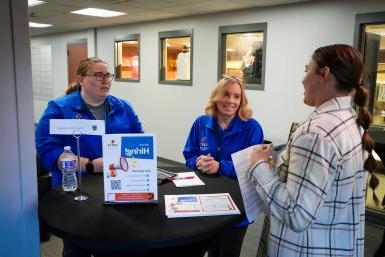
pixel 77 128
pixel 130 168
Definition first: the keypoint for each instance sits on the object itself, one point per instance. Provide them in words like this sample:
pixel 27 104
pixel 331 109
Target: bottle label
pixel 68 164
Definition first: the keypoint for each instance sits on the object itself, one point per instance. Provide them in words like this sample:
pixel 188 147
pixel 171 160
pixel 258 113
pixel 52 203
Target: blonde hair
pixel 244 112
pixel 81 70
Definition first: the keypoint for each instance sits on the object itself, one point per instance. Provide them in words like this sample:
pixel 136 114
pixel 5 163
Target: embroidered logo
pixel 203 146
pixel 78 116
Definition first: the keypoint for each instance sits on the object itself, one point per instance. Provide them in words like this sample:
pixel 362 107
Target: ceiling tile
pixel 56 12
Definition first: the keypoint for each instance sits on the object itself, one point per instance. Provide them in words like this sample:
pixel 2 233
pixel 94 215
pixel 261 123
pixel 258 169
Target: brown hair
pixel 244 112
pixel 345 63
pixel 81 70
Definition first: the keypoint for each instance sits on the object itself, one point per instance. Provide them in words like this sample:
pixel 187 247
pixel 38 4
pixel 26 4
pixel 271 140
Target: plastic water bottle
pixel 68 166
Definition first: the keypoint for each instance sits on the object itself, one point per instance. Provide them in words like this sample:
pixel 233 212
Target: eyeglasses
pixel 232 78
pixel 100 76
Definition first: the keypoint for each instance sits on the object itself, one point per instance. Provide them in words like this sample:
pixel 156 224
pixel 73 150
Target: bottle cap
pixel 67 148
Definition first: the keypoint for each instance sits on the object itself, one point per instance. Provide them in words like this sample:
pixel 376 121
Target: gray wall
pixel 18 198
pixel 293 33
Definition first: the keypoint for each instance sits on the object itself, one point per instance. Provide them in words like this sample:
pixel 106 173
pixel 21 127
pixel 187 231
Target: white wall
pixel 59 61
pixel 293 33
pixel 19 235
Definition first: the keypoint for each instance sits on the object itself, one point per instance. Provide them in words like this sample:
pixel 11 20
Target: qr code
pixel 116 185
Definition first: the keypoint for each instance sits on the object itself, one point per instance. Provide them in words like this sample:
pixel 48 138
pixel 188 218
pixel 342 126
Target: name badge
pixel 76 127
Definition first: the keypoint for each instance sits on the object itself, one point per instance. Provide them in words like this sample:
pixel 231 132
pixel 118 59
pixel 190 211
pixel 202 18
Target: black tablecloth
pixel 96 225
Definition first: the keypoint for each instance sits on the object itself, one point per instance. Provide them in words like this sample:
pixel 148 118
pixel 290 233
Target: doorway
pixel 76 51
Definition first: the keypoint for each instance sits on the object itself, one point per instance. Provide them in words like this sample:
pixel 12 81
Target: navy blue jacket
pixel 120 118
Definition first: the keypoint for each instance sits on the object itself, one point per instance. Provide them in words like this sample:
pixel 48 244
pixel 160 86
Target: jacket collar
pixel 78 103
pixel 236 125
pixel 335 104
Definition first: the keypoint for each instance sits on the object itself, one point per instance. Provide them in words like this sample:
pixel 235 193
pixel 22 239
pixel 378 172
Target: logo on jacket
pixel 94 127
pixel 203 146
pixel 78 116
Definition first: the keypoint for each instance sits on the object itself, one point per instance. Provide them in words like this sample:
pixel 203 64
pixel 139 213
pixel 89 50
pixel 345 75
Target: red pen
pixel 176 178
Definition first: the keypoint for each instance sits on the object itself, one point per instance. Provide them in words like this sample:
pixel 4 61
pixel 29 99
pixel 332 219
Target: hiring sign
pixel 129 168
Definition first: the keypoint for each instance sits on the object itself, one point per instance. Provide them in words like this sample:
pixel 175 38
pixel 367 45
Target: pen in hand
pixel 176 178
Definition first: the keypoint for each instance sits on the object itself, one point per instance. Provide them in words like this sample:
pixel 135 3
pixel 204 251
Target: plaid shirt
pixel 316 196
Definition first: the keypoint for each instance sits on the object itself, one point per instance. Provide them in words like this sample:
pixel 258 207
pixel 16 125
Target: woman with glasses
pixel 226 128
pixel 316 196
pixel 87 98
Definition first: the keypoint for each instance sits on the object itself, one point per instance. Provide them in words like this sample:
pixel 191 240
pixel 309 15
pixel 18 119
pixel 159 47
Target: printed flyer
pixel 129 168
pixel 179 206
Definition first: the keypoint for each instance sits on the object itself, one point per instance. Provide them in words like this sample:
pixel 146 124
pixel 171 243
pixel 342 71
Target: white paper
pixel 183 179
pixel 251 200
pixel 129 168
pixel 76 126
pixel 178 206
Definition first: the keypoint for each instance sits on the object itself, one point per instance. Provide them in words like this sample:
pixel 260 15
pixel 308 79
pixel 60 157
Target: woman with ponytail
pixel 315 197
pixel 87 98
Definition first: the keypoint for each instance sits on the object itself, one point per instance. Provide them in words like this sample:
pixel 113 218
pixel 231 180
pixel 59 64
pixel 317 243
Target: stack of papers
pixel 187 179
pixel 178 206
pixel 251 200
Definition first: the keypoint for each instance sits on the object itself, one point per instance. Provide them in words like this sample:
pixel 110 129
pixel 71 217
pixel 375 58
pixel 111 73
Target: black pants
pixel 381 250
pixel 70 249
pixel 229 244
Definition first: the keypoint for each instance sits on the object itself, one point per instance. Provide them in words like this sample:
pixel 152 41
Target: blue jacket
pixel 120 118
pixel 206 137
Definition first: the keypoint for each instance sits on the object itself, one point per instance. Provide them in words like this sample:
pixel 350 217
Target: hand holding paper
pixel 252 202
pixel 261 153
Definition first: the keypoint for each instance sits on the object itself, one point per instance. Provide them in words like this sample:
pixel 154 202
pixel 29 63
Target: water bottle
pixel 68 166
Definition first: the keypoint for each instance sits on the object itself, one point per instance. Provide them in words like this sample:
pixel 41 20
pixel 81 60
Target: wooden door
pixel 75 53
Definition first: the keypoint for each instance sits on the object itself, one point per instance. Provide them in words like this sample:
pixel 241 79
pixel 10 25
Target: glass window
pixel 242 53
pixel 127 66
pixel 374 59
pixel 175 64
pixel 370 40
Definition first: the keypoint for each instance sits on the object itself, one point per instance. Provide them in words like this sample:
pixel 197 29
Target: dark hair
pixel 345 63
pixel 82 69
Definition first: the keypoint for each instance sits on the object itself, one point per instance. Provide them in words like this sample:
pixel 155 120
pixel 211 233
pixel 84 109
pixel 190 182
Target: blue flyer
pixel 130 168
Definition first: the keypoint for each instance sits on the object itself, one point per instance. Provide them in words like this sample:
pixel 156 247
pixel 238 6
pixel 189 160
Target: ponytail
pixel 72 88
pixel 364 119
pixel 81 69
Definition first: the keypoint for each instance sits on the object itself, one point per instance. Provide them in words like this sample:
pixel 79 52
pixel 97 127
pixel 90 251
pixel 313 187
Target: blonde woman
pixel 226 128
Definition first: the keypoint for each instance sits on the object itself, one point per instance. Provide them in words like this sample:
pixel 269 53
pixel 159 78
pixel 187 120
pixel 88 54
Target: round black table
pixel 97 226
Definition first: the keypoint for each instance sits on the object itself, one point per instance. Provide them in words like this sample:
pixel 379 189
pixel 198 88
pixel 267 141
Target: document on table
pixel 178 206
pixel 251 200
pixel 187 179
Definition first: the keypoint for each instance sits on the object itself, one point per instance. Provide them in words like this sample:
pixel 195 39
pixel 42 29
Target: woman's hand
pixel 207 164
pixel 261 153
pixel 98 165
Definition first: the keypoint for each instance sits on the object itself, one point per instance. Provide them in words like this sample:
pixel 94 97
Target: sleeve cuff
pixel 261 173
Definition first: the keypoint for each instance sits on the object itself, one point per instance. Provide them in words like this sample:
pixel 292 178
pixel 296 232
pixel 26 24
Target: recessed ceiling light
pixel 39 25
pixel 98 12
pixel 34 2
